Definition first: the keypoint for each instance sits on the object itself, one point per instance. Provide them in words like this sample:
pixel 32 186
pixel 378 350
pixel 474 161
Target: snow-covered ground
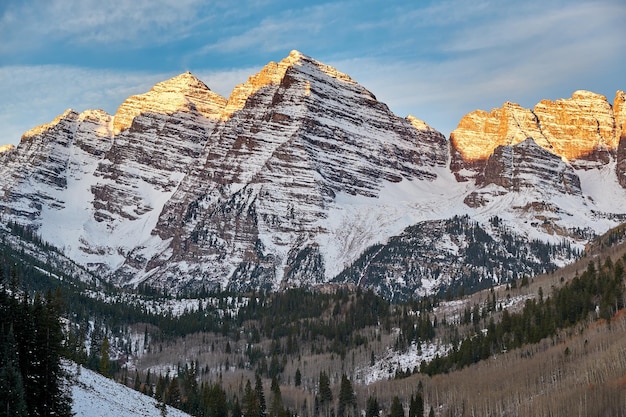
pixel 97 396
pixel 175 307
pixel 386 367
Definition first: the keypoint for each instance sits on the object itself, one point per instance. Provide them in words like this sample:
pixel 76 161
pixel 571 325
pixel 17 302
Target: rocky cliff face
pixel 305 134
pixel 581 129
pixel 528 165
pixel 299 172
pixel 619 109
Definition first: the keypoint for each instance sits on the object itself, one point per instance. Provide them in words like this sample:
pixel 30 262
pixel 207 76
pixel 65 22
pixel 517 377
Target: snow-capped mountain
pixel 299 173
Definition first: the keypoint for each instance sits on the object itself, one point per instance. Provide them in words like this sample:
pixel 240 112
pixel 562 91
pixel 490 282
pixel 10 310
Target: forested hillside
pixel 334 350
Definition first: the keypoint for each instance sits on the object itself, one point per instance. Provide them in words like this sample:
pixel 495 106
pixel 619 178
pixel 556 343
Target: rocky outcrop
pixel 528 165
pixel 184 93
pixel 581 129
pixel 43 163
pixel 619 109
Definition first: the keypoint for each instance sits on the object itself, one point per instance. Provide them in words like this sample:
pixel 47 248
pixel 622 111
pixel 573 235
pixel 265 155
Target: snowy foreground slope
pixel 97 396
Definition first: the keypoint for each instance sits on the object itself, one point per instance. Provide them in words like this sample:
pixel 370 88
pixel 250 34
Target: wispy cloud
pixel 291 28
pixel 522 58
pixel 32 24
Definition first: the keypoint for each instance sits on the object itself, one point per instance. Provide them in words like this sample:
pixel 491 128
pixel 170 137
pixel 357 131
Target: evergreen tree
pixel 31 342
pixel 216 402
pixel 13 399
pixel 396 408
pixel 298 378
pixel 104 358
pixel 347 398
pixel 251 406
pixel 258 388
pixel 325 395
pixel 159 392
pixel 53 395
pixel 416 406
pixel 174 397
pixel 372 408
pixel 276 402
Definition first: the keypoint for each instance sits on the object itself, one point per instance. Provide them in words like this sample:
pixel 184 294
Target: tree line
pixel 597 291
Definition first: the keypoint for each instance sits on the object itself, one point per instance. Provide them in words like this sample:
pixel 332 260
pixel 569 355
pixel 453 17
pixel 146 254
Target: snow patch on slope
pixel 97 396
pixel 386 367
pixel 356 222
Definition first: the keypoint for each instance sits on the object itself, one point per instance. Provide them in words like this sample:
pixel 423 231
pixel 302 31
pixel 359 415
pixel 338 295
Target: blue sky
pixel 436 60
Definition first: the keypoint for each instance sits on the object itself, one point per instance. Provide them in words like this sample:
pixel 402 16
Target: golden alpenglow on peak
pixel 182 93
pixel 68 113
pixel 419 124
pixel 479 133
pixel 579 125
pixel 571 128
pixel 273 73
pixel 619 111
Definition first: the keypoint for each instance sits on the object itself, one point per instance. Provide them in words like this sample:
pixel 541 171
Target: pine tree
pixel 347 399
pixel 173 393
pixel 324 393
pixel 396 408
pixel 251 406
pixel 416 406
pixel 258 388
pixel 298 378
pixel 104 357
pixel 13 399
pixel 372 408
pixel 159 392
pixel 276 402
pixel 50 395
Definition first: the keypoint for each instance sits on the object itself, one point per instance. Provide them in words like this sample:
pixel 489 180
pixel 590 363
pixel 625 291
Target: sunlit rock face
pixel 183 93
pixel 581 130
pixel 479 133
pixel 619 108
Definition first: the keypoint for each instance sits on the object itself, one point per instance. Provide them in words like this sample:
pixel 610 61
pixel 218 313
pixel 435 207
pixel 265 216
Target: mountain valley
pixel 298 242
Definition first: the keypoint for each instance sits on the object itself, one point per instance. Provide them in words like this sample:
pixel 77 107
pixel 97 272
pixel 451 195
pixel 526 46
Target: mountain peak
pixel 419 124
pixel 6 148
pixel 185 82
pixel 582 129
pixel 182 93
pixel 273 73
pixel 68 114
